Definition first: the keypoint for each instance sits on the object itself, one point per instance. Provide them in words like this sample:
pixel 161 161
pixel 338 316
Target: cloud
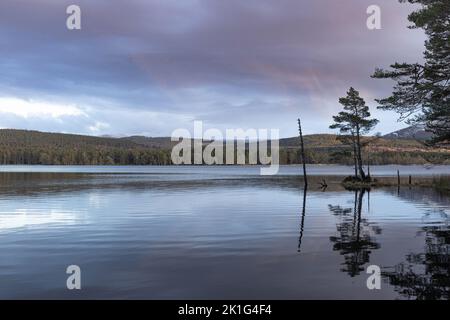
pixel 254 63
pixel 51 116
pixel 39 109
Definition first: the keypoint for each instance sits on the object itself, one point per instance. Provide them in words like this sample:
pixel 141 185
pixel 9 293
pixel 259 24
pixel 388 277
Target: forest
pixel 23 147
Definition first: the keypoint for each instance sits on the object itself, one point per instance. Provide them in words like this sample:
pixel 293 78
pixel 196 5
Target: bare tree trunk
pixel 305 179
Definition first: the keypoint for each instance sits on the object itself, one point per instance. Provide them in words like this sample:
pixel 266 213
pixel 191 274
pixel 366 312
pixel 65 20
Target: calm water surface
pixel 218 232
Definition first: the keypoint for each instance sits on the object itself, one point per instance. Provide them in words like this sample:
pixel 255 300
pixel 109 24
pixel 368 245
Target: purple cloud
pixel 254 63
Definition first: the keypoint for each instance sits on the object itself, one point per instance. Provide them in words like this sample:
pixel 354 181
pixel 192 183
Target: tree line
pixel 85 156
pixel 33 147
pixel 10 155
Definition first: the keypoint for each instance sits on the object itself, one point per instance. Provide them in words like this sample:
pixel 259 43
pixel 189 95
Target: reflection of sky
pixel 387 208
pixel 181 172
pixel 222 237
pixel 205 212
pixel 40 213
pixel 30 218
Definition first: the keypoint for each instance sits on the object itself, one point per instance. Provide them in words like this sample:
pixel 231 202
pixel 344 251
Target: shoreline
pixel 440 183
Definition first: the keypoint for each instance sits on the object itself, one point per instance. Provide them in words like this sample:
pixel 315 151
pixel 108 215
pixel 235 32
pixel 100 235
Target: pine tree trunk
pixel 360 164
pixel 355 158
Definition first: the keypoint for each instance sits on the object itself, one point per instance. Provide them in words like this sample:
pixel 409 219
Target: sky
pixel 148 67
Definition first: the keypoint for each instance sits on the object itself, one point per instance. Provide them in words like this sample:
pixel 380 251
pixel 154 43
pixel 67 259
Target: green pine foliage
pixel 422 90
pixel 353 122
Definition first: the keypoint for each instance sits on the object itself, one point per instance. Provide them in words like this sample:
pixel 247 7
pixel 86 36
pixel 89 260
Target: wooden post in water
pixel 410 180
pixel 305 179
pixel 398 177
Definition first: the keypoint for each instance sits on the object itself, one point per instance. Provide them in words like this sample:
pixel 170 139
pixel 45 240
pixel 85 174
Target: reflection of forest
pixel 31 183
pixel 426 197
pixel 426 275
pixel 354 240
pixel 423 275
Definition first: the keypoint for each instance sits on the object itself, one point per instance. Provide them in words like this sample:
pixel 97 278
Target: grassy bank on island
pixel 440 183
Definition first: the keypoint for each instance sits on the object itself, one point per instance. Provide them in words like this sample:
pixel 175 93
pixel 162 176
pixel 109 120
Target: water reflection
pixel 425 275
pixel 25 217
pixel 302 221
pixel 160 236
pixel 355 235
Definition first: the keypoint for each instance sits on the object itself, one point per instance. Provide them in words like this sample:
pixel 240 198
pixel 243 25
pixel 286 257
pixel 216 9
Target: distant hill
pixel 35 147
pixel 30 138
pixel 151 142
pixel 413 132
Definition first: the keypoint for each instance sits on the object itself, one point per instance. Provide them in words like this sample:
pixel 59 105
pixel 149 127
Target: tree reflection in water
pixel 422 275
pixel 354 239
pixel 425 276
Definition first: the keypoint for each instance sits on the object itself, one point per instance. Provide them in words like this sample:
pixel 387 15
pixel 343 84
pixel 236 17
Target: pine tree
pixel 353 122
pixel 422 91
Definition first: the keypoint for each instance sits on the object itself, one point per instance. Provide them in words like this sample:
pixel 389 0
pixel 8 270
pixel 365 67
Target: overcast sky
pixel 149 67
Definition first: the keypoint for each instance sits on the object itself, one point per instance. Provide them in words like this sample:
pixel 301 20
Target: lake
pixel 196 232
